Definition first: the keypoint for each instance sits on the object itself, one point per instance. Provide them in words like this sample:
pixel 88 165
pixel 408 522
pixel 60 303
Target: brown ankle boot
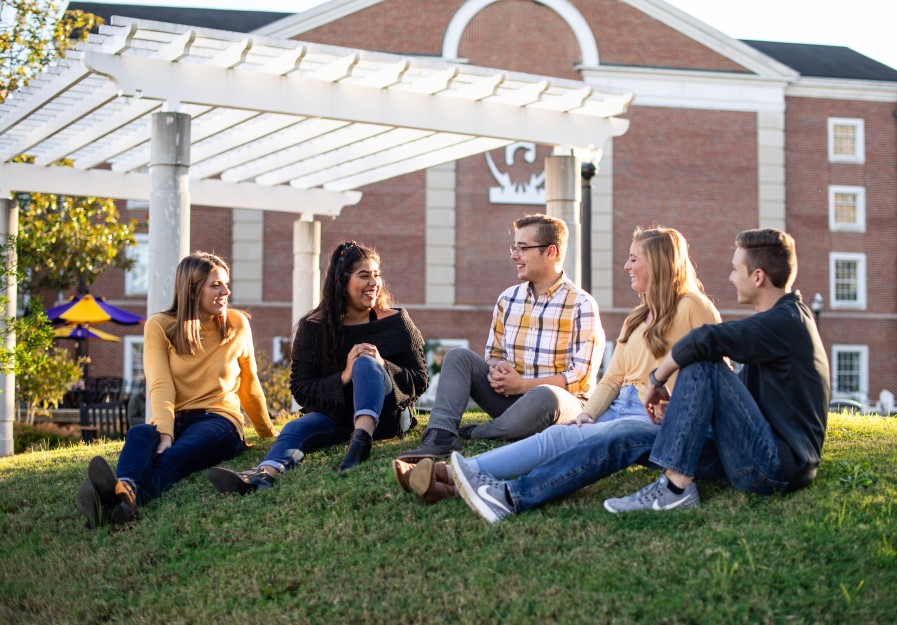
pixel 429 481
pixel 402 470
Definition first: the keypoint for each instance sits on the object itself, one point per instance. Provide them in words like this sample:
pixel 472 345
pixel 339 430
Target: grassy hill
pixel 328 548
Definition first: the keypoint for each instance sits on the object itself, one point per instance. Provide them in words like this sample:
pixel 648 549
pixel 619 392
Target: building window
pixel 847 208
pixel 280 350
pixel 847 281
pixel 133 371
pixel 136 278
pixel 850 371
pixel 845 140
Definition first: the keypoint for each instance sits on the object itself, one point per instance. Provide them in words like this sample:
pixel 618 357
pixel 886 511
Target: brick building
pixel 724 135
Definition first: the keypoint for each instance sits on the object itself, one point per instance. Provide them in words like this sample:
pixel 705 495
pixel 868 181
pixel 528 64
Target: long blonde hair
pixel 192 272
pixel 671 275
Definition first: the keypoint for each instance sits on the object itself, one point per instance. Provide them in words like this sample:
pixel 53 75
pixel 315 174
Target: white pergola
pixel 179 115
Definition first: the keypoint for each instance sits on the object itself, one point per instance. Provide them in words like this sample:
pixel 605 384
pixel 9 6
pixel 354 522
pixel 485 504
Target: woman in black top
pixel 356 364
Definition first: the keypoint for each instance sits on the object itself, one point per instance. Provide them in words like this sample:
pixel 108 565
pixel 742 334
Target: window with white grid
pixel 846 141
pixel 847 280
pixel 850 371
pixel 133 370
pixel 136 278
pixel 847 208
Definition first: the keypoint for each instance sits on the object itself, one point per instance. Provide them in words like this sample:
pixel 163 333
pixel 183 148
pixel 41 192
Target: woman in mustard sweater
pixel 672 302
pixel 357 364
pixel 199 363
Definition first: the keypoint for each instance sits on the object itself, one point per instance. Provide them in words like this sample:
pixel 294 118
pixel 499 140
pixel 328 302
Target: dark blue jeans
pixel 201 440
pixel 313 430
pixel 713 429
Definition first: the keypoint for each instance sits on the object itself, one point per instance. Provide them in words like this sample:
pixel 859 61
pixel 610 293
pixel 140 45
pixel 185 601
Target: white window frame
pixel 862 395
pixel 860 259
pixel 277 354
pixel 130 286
pixel 860 224
pixel 859 156
pixel 128 373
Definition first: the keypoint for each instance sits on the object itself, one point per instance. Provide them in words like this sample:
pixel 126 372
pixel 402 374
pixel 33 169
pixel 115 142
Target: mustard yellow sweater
pixel 220 379
pixel 633 361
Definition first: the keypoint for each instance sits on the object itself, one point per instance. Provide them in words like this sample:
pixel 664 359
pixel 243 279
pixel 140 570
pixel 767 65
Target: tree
pixel 33 36
pixel 64 241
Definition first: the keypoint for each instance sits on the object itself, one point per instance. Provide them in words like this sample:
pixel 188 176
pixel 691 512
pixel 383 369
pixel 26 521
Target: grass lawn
pixel 329 548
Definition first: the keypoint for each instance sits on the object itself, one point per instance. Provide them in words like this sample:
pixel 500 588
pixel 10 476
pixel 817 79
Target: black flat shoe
pixel 358 452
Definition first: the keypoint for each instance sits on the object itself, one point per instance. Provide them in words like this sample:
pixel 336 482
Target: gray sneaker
pixel 435 443
pixel 656 496
pixel 485 495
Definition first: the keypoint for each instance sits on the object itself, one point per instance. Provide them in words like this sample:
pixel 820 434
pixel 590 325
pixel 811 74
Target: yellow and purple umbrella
pixel 81 332
pixel 82 309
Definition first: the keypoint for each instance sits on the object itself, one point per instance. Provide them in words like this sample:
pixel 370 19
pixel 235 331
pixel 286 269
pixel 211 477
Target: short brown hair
pixel 552 231
pixel 771 250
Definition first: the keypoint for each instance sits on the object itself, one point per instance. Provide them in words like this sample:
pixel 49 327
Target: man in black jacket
pixel 762 431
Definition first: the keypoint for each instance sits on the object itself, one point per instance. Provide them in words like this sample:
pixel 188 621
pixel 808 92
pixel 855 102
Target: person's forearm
pixel 666 369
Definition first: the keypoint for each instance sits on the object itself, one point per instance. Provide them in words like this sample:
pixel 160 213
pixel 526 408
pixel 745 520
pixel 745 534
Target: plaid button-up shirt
pixel 557 332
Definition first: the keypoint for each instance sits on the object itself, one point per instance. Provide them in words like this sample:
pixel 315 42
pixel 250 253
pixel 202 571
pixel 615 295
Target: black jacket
pixel 318 388
pixel 785 370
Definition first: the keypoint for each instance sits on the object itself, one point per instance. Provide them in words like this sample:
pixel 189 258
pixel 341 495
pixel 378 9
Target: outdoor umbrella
pixel 81 332
pixel 84 309
pixel 88 309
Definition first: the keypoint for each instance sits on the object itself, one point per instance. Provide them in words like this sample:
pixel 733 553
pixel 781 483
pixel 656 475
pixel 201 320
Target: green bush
pixel 45 436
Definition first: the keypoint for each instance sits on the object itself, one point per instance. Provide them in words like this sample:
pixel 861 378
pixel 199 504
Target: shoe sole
pixel 104 480
pixel 421 478
pixel 227 481
pixel 469 496
pixel 89 504
pixel 400 475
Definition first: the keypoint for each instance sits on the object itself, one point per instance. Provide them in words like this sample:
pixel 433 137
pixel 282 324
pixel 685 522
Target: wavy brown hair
pixel 330 312
pixel 189 278
pixel 671 275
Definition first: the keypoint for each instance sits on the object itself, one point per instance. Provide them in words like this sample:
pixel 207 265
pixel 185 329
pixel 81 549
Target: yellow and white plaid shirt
pixel 558 331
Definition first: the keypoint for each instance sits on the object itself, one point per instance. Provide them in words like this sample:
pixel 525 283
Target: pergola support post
pixel 563 197
pixel 169 205
pixel 306 266
pixel 9 228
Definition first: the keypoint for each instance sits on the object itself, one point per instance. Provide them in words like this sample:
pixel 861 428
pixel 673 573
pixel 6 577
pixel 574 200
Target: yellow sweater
pixel 220 379
pixel 633 361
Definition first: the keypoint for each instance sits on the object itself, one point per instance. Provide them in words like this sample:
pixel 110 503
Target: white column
pixel 440 235
pixel 246 257
pixel 306 267
pixel 563 198
pixel 9 227
pixel 771 169
pixel 603 229
pixel 169 205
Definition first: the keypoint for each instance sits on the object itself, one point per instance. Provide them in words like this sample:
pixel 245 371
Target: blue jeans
pixel 712 430
pixel 201 440
pixel 313 430
pixel 525 455
pixel 739 445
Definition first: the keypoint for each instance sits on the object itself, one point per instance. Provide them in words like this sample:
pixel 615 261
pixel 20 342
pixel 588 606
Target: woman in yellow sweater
pixel 200 369
pixel 672 303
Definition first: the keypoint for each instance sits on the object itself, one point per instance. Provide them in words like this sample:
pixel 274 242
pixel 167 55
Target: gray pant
pixel 464 375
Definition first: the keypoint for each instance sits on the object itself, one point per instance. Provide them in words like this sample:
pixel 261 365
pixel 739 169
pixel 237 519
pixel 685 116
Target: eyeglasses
pixel 520 249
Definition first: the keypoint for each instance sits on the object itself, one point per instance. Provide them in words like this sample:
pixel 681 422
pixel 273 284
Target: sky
pixel 867 26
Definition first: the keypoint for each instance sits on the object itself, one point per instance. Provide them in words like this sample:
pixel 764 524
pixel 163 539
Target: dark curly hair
pixel 330 312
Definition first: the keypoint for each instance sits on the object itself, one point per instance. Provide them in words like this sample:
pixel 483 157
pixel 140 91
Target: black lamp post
pixel 816 306
pixel 588 172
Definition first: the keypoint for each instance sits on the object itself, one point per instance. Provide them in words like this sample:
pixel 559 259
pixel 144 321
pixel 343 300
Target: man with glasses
pixel 542 354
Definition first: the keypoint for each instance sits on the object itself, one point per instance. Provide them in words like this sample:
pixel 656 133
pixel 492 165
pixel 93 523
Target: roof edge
pixel 315 17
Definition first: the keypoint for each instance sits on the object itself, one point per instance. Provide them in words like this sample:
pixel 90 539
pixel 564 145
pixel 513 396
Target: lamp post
pixel 816 306
pixel 588 171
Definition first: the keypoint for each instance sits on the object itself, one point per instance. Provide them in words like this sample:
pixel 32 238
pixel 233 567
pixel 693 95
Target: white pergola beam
pixel 293 95
pixel 134 186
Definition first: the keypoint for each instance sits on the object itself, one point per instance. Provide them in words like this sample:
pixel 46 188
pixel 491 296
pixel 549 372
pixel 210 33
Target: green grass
pixel 329 548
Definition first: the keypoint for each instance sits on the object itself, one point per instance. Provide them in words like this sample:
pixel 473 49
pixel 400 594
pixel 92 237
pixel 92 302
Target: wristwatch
pixel 653 379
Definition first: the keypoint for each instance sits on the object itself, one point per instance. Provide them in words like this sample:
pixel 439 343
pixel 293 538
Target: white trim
pixel 130 287
pixel 315 17
pixel 860 193
pixel 581 31
pixel 860 260
pixel 862 394
pixel 737 51
pixel 129 342
pixel 843 89
pixel 859 155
